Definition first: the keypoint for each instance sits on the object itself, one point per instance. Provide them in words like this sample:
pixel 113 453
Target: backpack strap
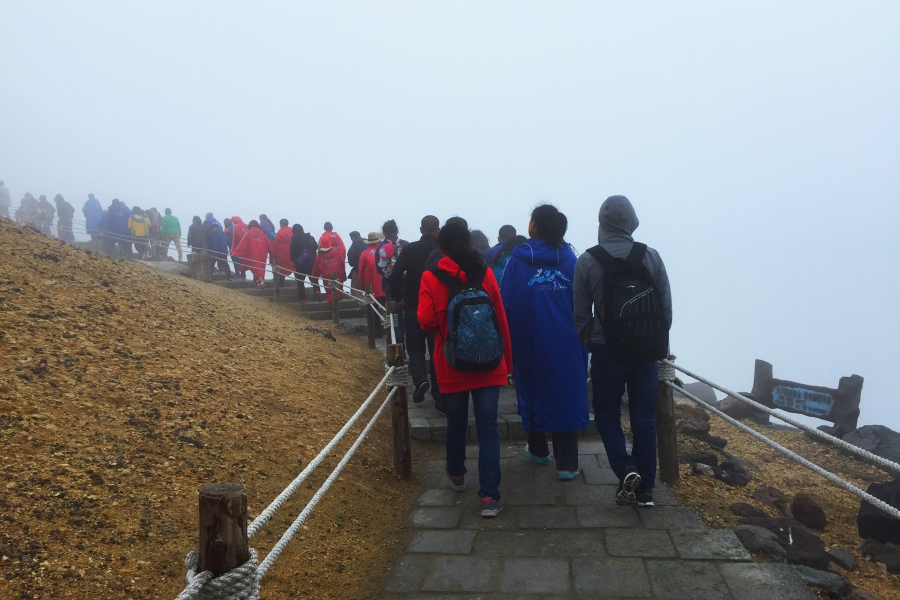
pixel 603 257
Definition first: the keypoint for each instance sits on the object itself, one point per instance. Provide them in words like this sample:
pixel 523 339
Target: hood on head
pixel 540 254
pixel 197 221
pixel 297 229
pixel 236 221
pixel 617 218
pixel 451 268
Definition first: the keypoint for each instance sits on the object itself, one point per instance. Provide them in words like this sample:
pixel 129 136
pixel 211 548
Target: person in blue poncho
pixel 118 215
pixel 93 212
pixel 549 362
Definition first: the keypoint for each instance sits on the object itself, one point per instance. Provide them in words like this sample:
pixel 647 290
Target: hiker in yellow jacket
pixel 139 225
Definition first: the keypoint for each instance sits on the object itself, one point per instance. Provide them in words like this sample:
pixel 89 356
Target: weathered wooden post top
pixel 839 406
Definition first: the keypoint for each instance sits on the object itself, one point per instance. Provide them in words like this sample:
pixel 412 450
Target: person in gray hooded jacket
pixel 609 376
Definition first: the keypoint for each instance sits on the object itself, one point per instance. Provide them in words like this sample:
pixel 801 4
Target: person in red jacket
pixel 238 231
pixel 328 261
pixel 367 271
pixel 462 262
pixel 282 245
pixel 254 251
pixel 335 241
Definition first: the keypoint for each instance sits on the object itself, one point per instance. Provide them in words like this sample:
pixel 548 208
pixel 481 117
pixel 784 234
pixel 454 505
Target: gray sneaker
pixel 628 484
pixel 490 508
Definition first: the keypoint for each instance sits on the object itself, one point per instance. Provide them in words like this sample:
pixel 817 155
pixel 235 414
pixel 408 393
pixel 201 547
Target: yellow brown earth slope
pixel 123 391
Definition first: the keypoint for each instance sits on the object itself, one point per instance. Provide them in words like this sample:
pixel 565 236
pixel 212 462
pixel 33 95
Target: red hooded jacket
pixel 367 272
pixel 433 299
pixel 239 230
pixel 254 250
pixel 282 245
pixel 330 238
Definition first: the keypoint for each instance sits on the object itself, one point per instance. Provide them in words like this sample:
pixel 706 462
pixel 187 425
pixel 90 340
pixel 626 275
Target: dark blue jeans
pixel 484 402
pixel 609 378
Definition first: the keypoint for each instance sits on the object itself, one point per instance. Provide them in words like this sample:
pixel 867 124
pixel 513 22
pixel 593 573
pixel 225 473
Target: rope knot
pixel 399 378
pixel 240 583
pixel 666 371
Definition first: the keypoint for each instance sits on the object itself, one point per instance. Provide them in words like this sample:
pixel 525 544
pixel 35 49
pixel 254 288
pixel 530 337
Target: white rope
pixel 266 515
pixel 240 583
pixel 880 504
pixel 279 547
pixel 821 434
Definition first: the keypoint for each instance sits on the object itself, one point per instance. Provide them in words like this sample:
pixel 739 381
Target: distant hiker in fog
pixel 368 274
pixel 267 226
pixel 197 236
pixel 5 202
pixel 92 212
pixel 46 213
pixel 357 245
pixel 218 250
pixel 507 233
pixel 210 220
pixel 460 302
pixel 501 256
pixel 329 264
pixel 170 231
pixel 104 237
pixel 228 228
pixel 550 364
pixel 389 251
pixel 405 283
pixel 28 211
pixel 154 233
pixel 303 255
pixel 66 212
pixel 480 241
pixel 118 231
pixel 254 251
pixel 335 241
pixel 627 332
pixel 238 231
pixel 282 246
pixel 139 227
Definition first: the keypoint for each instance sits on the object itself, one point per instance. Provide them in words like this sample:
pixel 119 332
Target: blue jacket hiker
pixel 549 362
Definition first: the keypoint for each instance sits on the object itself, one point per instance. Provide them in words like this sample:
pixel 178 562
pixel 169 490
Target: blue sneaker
pixel 568 475
pixel 541 460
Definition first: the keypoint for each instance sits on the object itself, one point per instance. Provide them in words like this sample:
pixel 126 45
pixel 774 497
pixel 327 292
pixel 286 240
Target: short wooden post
pixel 276 276
pixel 400 418
pixel 223 528
pixel 370 317
pixel 199 267
pixel 335 299
pixel 666 437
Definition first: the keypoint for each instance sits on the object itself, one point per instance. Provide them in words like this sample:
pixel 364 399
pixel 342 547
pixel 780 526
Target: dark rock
pixel 843 559
pixel 685 410
pixel 872 522
pixel 191 441
pixel 702 469
pixel 713 440
pixel 775 498
pixel 704 458
pixel 886 554
pixel 824 428
pixel 803 547
pixel 692 427
pixel 877 439
pixel 860 594
pixel 834 585
pixel 738 409
pixel 760 541
pixel 742 509
pixel 733 473
pixel 807 511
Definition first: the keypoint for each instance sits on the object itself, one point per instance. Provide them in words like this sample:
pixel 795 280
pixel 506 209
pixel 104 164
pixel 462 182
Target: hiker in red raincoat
pixel 238 231
pixel 282 244
pixel 328 261
pixel 336 242
pixel 254 250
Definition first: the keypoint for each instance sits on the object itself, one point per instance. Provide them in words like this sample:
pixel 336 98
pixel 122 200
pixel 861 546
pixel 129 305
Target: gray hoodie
pixel 617 222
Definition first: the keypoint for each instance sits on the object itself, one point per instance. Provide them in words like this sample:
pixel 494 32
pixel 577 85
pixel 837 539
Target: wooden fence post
pixel 400 418
pixel 223 528
pixel 199 267
pixel 370 317
pixel 666 437
pixel 335 299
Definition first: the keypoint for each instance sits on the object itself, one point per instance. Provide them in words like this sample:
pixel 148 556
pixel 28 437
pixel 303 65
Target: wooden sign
pixel 839 406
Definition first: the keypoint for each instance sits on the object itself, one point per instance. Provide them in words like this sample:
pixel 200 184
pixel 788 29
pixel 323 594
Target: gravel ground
pixel 123 391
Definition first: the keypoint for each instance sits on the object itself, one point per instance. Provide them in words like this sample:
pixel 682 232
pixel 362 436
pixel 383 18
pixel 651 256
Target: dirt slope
pixel 123 391
pixel 713 498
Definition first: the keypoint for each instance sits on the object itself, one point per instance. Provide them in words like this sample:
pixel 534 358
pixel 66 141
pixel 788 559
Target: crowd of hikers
pixel 526 312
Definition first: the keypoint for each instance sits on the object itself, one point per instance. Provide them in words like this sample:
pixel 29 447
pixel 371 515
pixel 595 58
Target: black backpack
pixel 634 323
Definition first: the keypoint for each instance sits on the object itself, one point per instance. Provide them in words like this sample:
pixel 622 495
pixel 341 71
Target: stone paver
pixel 564 540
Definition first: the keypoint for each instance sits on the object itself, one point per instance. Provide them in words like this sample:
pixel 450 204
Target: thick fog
pixel 759 142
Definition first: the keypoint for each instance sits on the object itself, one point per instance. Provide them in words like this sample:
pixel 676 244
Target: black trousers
pixel 565 448
pixel 301 287
pixel 417 340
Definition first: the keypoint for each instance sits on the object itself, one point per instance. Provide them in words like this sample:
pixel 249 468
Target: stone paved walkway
pixel 569 540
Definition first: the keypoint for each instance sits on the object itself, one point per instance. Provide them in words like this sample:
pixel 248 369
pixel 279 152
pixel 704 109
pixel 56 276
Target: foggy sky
pixel 759 142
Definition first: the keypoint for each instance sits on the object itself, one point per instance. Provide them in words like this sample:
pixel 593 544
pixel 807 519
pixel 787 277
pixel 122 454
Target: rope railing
pixel 812 430
pixel 876 502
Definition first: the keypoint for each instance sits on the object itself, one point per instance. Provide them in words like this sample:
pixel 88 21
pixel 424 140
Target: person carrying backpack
pixel 459 301
pixel 623 312
pixel 550 363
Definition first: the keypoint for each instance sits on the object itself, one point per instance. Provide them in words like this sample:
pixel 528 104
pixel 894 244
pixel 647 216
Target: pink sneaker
pixel 457 482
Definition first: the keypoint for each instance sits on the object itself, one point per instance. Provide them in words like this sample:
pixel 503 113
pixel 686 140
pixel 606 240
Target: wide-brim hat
pixel 374 238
